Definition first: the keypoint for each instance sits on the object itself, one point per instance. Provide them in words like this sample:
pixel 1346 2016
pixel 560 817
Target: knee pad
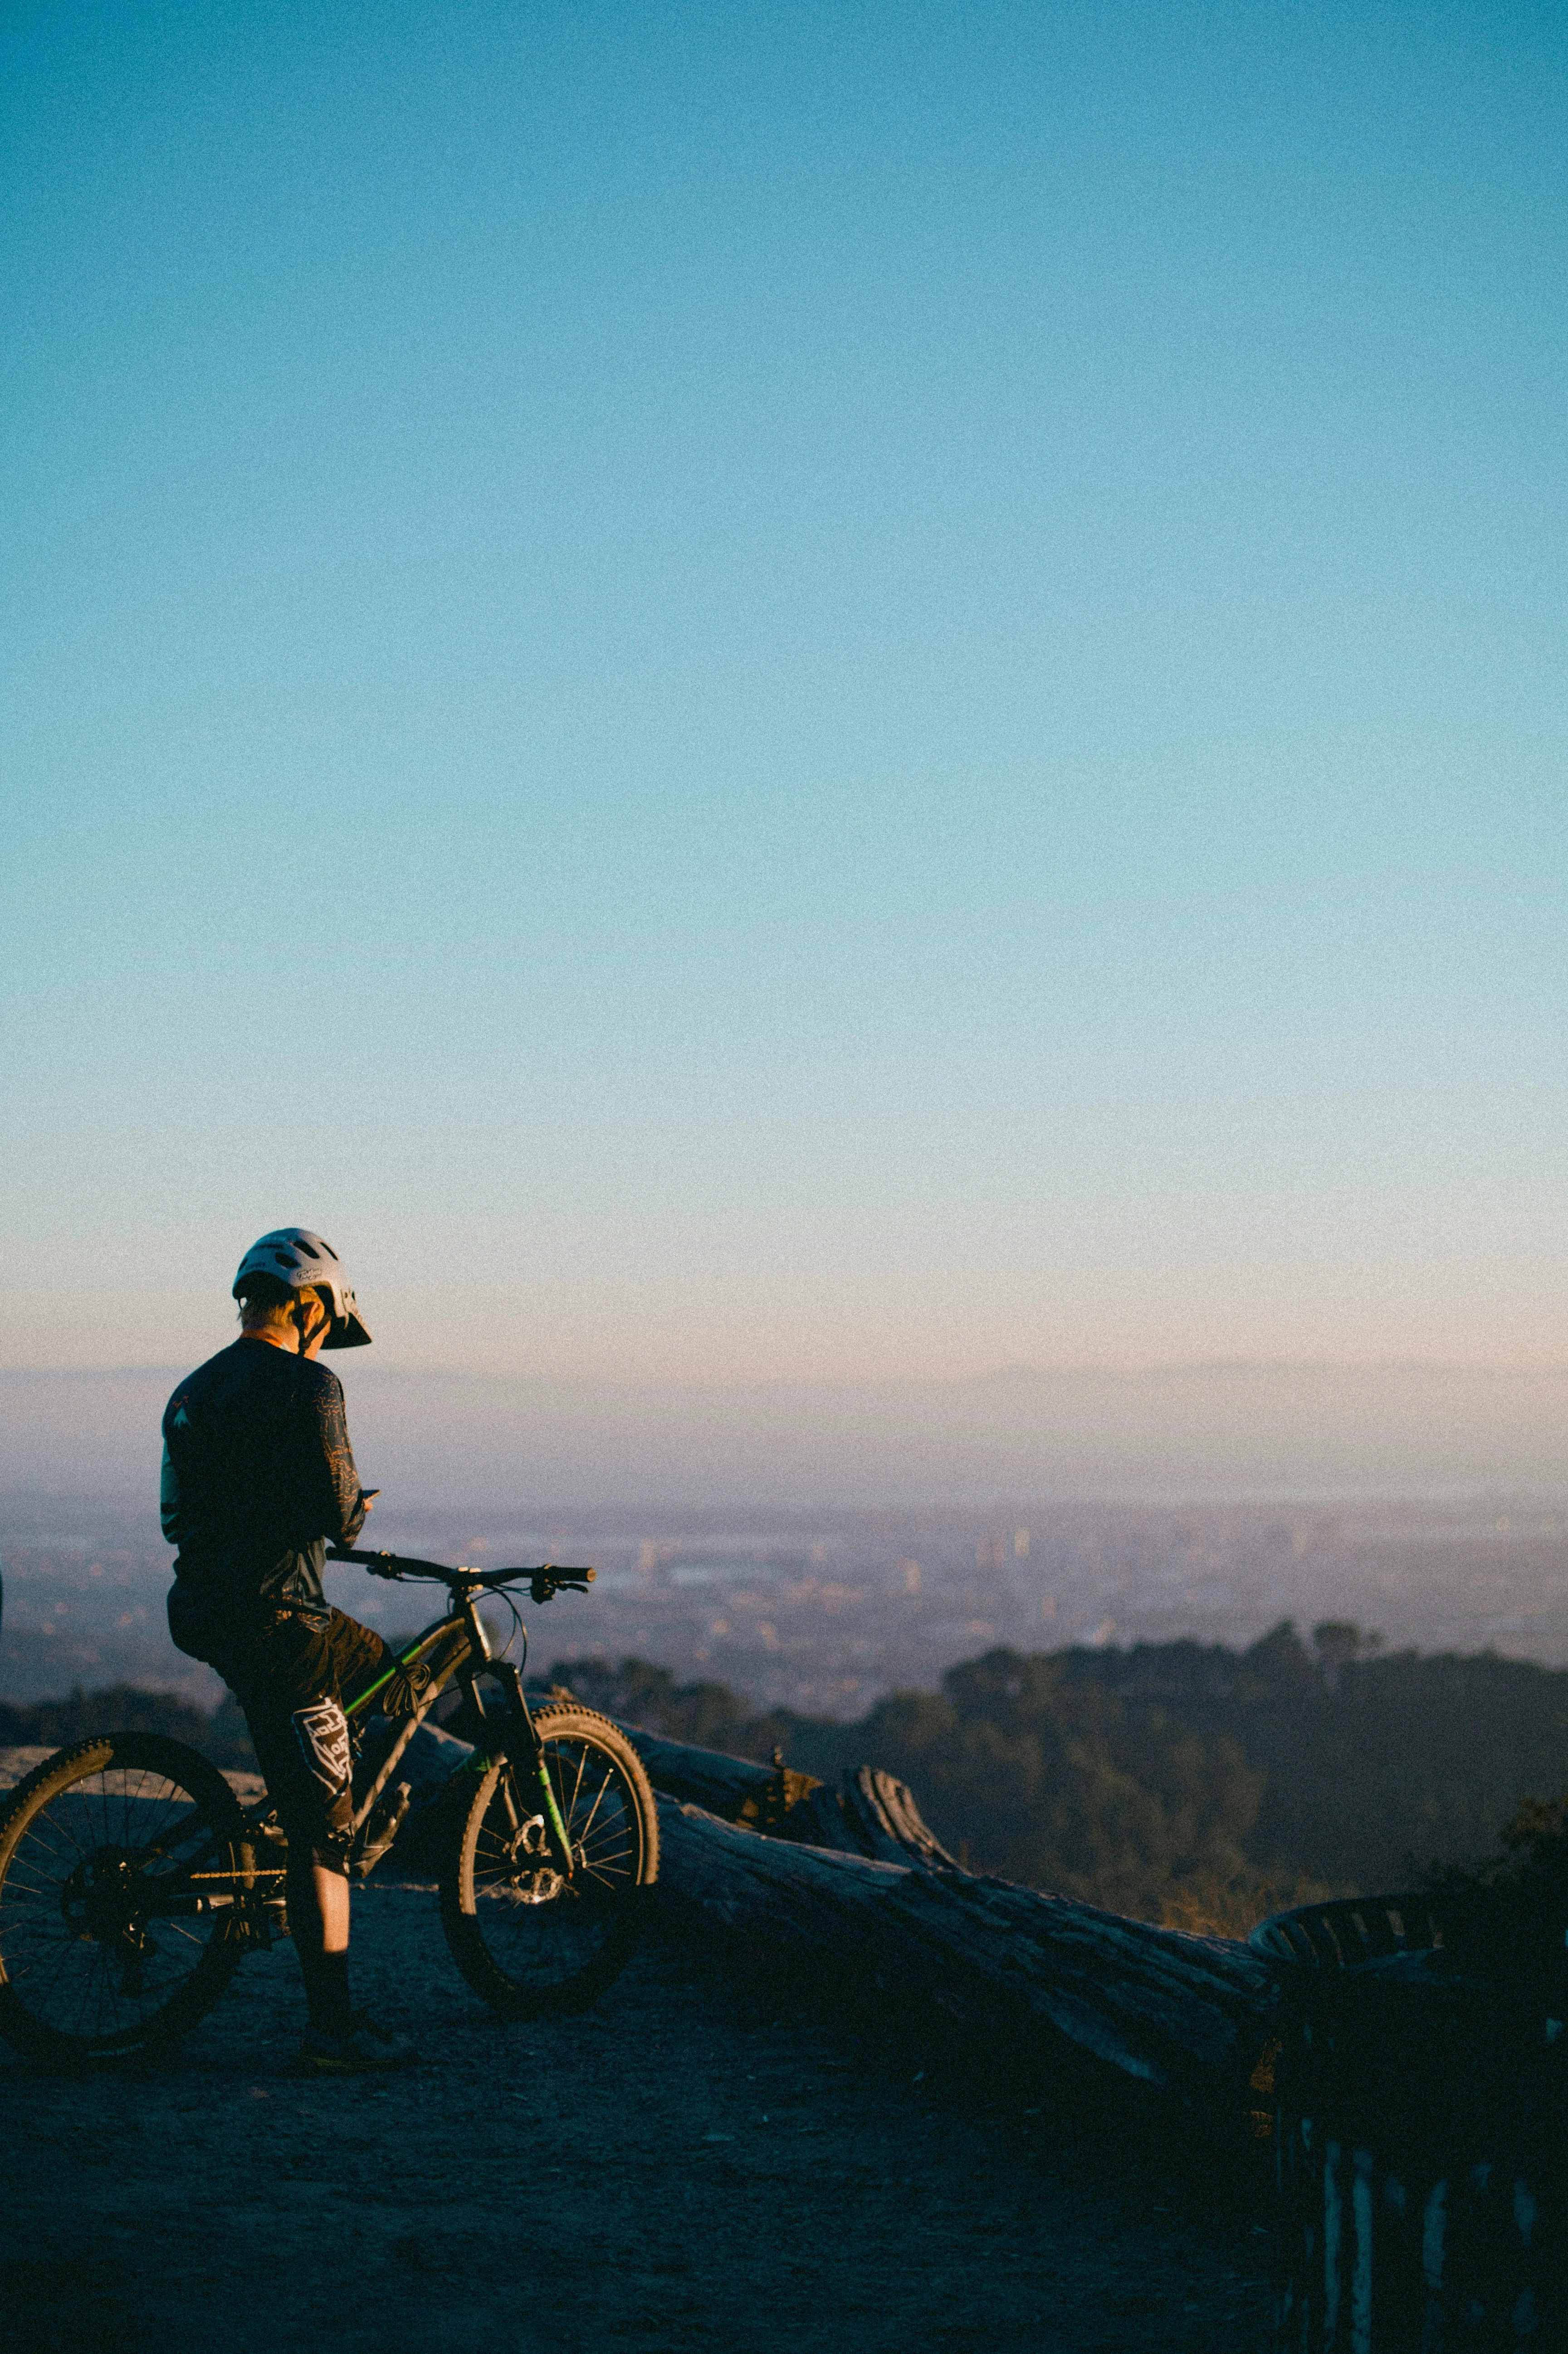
pixel 322 1731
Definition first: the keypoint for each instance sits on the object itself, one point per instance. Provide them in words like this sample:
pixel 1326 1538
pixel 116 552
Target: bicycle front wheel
pixel 122 1865
pixel 526 1938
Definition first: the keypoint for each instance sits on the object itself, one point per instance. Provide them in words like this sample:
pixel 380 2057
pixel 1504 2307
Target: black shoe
pixel 364 2046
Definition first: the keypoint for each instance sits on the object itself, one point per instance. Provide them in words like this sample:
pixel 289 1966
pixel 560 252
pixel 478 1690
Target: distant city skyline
pixel 787 693
pixel 823 1610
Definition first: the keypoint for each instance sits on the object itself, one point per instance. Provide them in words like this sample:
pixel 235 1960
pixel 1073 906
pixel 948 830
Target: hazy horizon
pixel 1211 1432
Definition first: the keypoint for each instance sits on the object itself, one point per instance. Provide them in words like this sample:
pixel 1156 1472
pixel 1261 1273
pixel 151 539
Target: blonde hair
pixel 265 1301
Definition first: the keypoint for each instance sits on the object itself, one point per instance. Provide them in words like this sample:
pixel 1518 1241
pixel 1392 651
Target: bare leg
pixel 330 1892
pixel 318 1917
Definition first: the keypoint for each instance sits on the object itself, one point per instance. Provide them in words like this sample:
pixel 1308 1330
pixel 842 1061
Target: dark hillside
pixel 1374 1767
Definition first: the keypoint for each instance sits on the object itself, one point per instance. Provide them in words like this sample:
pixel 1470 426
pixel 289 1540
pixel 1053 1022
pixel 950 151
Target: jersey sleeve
pixel 341 1503
pixel 169 1498
pixel 171 1491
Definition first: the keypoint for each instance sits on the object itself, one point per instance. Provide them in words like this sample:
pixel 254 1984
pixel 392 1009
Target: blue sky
pixel 775 691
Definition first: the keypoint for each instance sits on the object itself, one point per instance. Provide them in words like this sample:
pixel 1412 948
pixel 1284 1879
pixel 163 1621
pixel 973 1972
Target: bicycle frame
pixel 543 1840
pixel 455 1647
pixel 466 1663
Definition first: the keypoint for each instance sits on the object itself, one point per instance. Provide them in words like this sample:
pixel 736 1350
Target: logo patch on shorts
pixel 322 1731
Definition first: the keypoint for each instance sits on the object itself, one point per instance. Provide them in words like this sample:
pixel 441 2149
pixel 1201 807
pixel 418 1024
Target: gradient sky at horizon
pixel 798 690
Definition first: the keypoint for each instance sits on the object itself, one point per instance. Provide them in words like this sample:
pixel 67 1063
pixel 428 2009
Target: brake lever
pixel 546 1583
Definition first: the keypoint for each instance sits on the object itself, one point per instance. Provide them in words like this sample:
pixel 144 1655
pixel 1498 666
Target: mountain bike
pixel 133 1880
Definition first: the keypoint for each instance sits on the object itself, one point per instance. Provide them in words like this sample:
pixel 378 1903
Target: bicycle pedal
pixel 260 1924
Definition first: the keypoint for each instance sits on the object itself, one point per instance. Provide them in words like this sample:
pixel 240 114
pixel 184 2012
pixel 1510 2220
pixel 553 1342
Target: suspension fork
pixel 526 1751
pixel 522 1746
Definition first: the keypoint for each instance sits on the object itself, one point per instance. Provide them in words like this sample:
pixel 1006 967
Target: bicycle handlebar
pixel 545 1581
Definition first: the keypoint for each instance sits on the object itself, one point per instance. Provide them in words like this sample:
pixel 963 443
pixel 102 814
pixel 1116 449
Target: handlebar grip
pixel 379 1564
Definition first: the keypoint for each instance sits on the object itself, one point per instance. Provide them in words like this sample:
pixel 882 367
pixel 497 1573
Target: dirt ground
pixel 680 2170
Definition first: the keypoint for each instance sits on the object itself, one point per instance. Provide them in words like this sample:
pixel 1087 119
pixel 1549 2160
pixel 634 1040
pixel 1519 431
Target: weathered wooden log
pixel 870 1813
pixel 1182 2015
pixel 850 1888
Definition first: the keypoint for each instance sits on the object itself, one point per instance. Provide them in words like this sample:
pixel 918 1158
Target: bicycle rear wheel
pixel 526 1938
pixel 121 1863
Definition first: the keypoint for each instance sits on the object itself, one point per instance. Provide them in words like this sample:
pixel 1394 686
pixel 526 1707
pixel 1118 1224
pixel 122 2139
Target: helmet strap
pixel 301 1324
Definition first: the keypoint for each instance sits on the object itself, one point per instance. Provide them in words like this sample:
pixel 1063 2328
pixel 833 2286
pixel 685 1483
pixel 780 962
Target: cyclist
pixel 258 1478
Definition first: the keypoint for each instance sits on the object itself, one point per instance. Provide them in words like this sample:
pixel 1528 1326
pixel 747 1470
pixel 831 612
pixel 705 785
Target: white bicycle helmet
pixel 293 1254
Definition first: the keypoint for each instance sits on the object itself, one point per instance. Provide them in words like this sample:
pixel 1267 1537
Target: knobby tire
pixel 526 1940
pixel 92 1842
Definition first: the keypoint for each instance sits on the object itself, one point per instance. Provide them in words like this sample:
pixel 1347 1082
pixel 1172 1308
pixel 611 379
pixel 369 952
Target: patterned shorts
pixel 292 1680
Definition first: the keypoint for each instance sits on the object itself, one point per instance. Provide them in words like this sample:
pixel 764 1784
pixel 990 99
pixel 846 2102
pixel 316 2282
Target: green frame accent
pixel 408 1658
pixel 553 1811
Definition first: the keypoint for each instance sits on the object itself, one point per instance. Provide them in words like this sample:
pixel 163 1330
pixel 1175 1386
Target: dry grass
pixel 1209 1906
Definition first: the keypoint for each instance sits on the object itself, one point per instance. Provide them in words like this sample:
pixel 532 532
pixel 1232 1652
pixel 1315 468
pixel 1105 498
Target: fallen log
pixel 1182 2015
pixel 870 1814
pixel 851 1890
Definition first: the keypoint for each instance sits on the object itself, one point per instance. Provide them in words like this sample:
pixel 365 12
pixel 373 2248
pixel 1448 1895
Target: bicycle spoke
pixel 583 1834
pixel 63 1827
pixel 546 1941
pixel 87 1942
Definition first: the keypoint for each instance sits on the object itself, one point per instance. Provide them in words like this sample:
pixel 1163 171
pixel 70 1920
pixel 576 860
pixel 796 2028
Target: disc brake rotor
pixel 535 1879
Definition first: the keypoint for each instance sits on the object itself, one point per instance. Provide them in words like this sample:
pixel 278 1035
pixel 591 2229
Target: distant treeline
pixel 125 1708
pixel 1157 1779
pixel 1171 1780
